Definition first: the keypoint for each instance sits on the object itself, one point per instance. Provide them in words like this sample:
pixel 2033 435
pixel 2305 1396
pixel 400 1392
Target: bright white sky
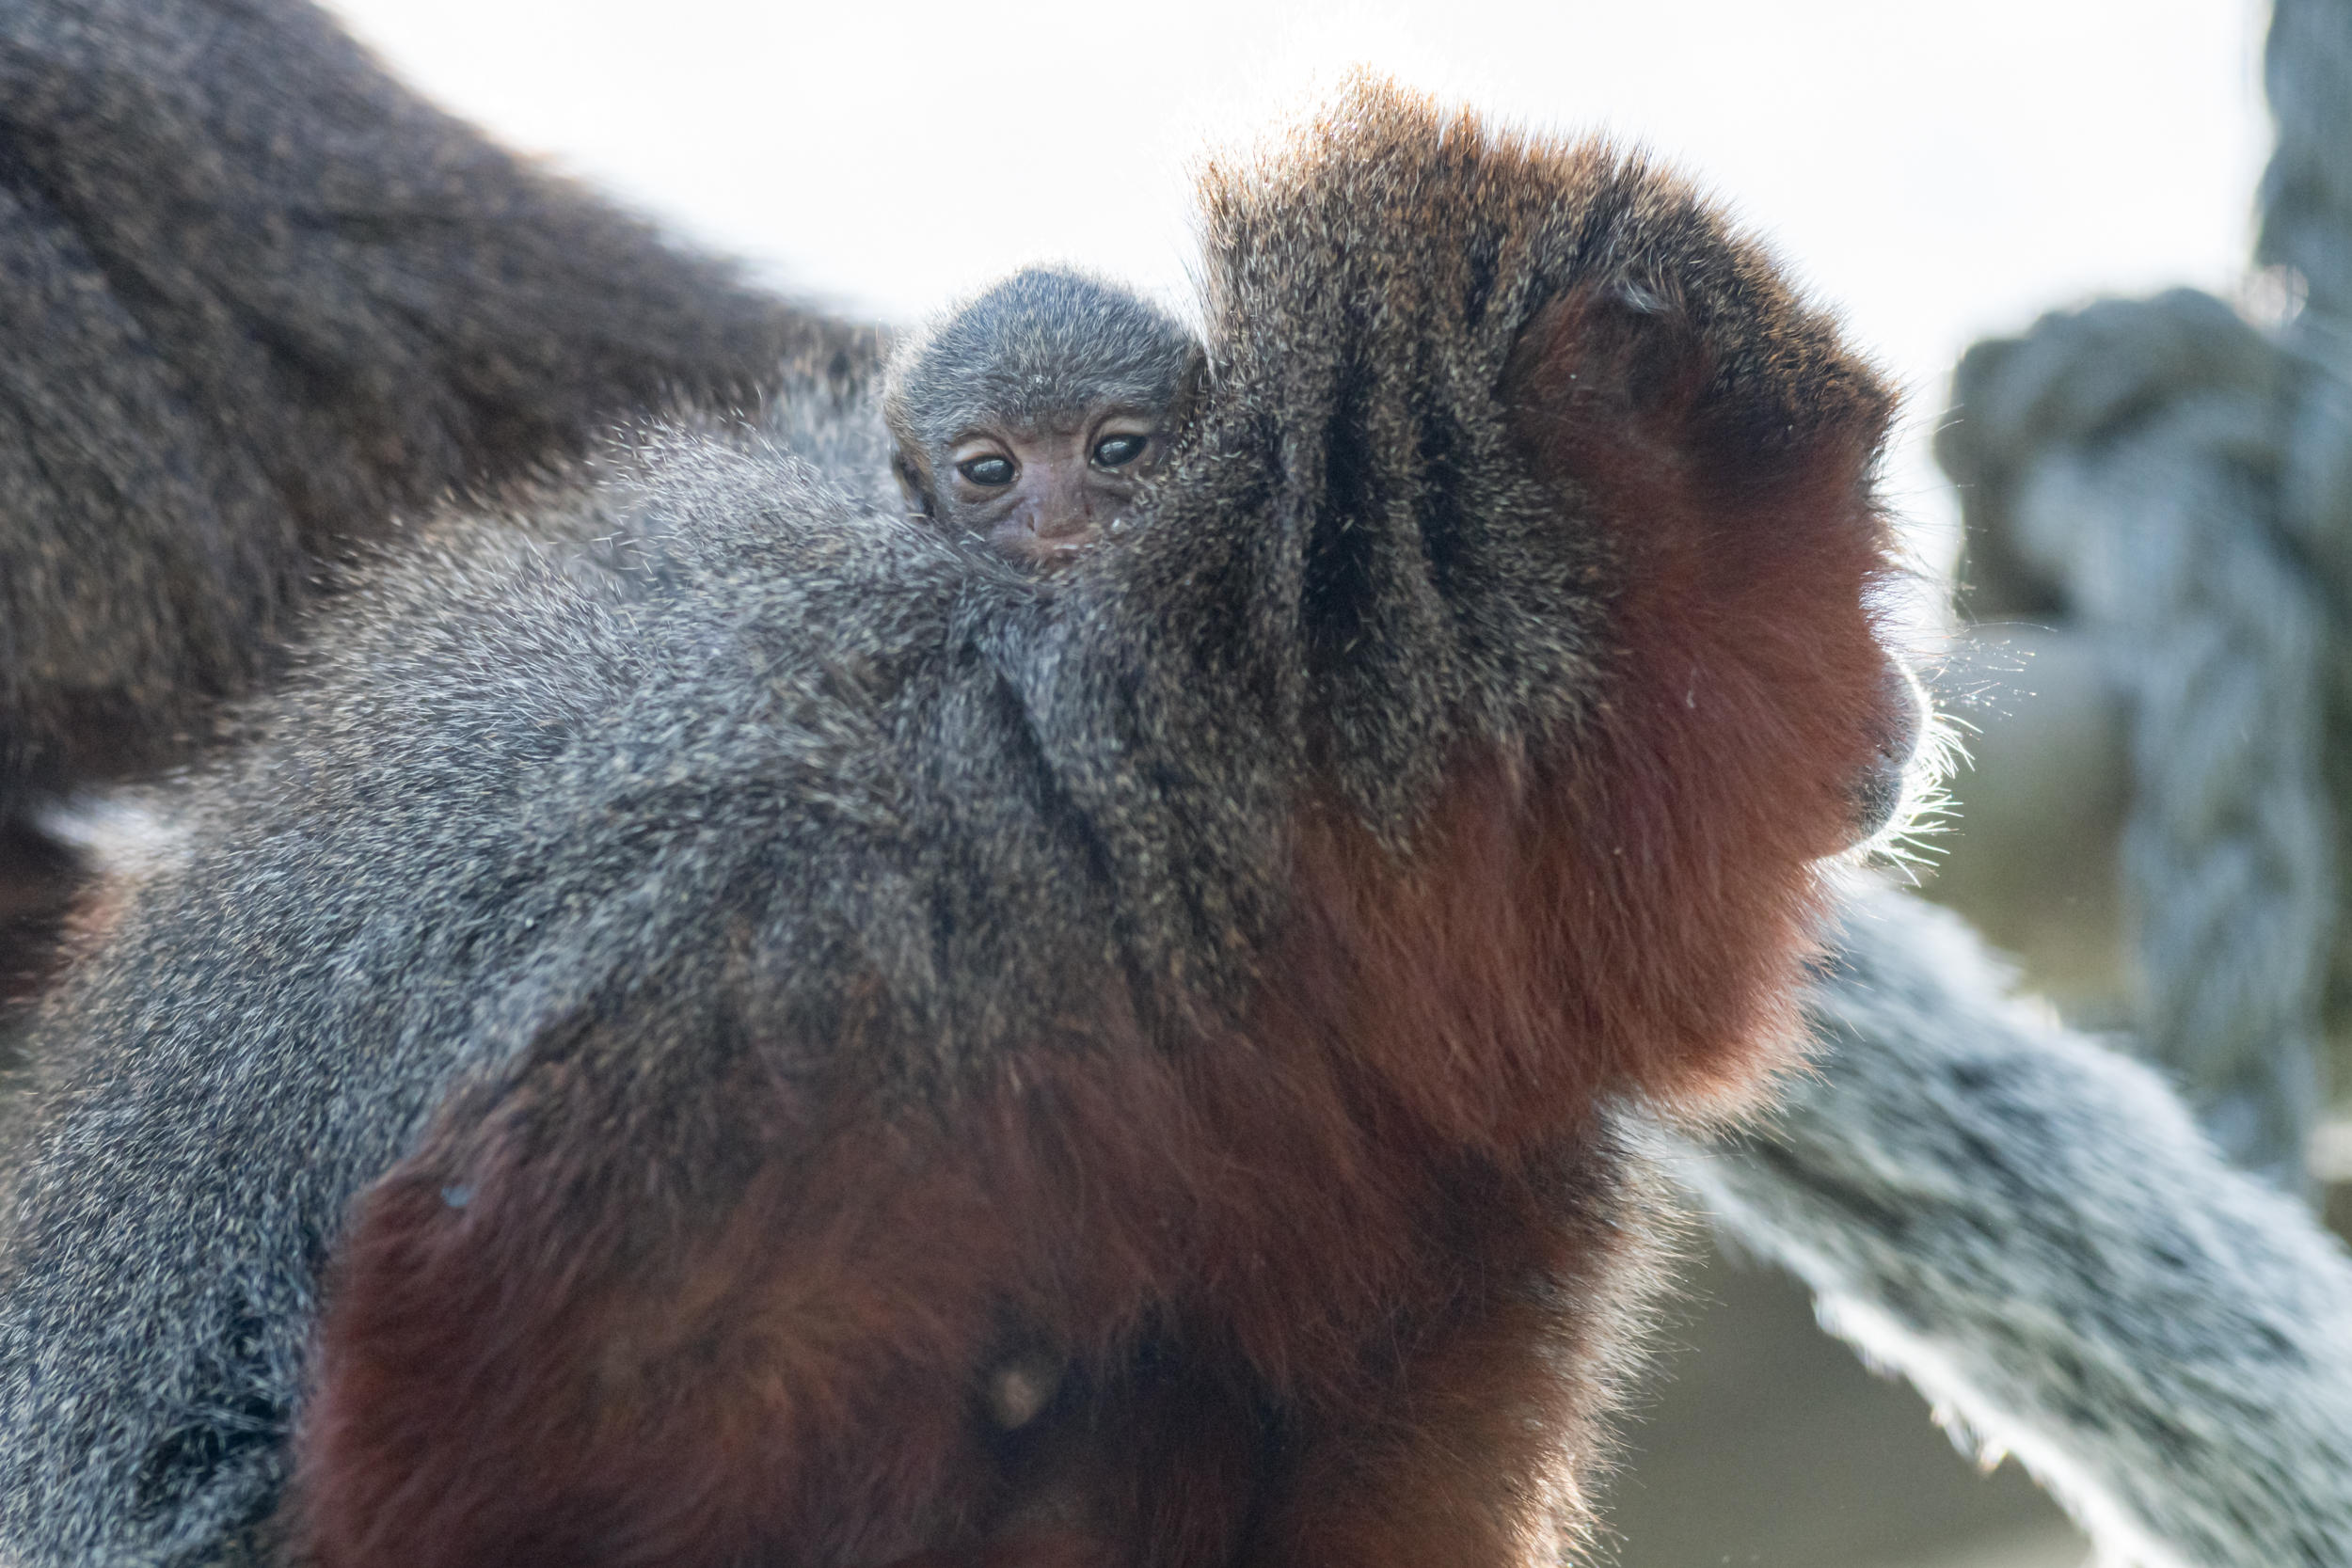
pixel 1935 171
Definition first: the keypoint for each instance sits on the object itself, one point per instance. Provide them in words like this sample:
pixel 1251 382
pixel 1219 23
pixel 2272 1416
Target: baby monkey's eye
pixel 1116 452
pixel 989 472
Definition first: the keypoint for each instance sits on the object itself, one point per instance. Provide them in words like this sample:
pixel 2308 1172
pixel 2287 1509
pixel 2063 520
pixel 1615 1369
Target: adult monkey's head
pixel 1031 413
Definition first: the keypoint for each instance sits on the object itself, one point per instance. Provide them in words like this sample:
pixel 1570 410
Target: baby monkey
pixel 1031 415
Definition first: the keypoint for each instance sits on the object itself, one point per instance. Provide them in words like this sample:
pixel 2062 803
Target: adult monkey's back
pixel 260 299
pixel 612 1087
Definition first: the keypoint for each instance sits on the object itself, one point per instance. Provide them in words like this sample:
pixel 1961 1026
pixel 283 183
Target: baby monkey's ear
pixel 1184 402
pixel 912 484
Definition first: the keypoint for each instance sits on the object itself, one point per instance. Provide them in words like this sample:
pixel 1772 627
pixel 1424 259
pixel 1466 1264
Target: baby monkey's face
pixel 1042 495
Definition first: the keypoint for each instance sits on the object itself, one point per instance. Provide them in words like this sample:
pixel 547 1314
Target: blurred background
pixel 2148 836
pixel 1936 174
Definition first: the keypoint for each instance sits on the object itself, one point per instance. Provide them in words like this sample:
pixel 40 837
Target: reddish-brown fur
pixel 1750 692
pixel 1333 1289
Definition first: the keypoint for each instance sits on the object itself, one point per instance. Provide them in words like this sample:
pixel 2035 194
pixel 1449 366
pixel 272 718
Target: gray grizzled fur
pixel 262 300
pixel 153 1341
pixel 2031 1228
